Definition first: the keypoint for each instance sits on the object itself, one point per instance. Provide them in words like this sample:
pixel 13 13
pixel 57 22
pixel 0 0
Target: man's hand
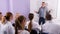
pixel 35 11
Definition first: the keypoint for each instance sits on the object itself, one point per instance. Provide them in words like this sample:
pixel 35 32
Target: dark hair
pixel 31 16
pixel 43 2
pixel 48 16
pixel 8 15
pixel 33 32
pixel 0 15
pixel 0 12
pixel 18 22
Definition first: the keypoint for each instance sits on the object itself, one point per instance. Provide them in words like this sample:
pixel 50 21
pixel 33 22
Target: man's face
pixel 43 4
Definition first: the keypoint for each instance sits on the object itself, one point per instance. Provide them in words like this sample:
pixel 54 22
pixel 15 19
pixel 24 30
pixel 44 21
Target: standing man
pixel 42 13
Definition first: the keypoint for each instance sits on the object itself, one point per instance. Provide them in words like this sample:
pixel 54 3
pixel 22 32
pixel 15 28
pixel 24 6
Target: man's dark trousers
pixel 41 20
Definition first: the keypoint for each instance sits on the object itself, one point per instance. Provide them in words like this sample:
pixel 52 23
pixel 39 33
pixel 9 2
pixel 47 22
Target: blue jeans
pixel 41 20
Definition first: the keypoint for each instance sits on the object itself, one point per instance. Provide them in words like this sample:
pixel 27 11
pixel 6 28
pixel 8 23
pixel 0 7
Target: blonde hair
pixel 18 23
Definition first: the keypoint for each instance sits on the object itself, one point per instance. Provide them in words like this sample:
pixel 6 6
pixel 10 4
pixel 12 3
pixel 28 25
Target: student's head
pixel 22 20
pixel 20 23
pixel 17 15
pixel 9 16
pixel 0 15
pixel 31 16
pixel 3 19
pixel 43 4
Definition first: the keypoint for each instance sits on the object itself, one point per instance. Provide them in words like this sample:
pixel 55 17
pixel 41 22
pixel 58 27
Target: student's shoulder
pixel 24 32
pixel 9 23
pixel 35 22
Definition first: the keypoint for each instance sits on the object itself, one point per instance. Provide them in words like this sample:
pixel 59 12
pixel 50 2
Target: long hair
pixel 31 16
pixel 18 22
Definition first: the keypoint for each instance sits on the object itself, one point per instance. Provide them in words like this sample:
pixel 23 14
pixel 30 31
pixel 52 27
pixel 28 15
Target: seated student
pixel 3 26
pixel 50 27
pixel 34 24
pixel 9 17
pixel 48 17
pixel 19 25
pixel 4 29
pixel 31 25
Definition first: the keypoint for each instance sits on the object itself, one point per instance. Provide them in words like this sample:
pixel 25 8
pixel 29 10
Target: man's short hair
pixel 43 2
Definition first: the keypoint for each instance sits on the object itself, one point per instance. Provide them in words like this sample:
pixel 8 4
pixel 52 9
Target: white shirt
pixel 23 32
pixel 51 28
pixel 6 28
pixel 34 25
pixel 11 29
pixel 3 28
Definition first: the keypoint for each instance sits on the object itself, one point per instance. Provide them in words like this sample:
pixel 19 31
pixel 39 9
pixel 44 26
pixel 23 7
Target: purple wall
pixel 3 6
pixel 19 6
pixel 22 7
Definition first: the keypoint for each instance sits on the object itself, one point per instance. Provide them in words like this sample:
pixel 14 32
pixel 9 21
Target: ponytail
pixel 31 16
pixel 18 25
pixel 30 26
